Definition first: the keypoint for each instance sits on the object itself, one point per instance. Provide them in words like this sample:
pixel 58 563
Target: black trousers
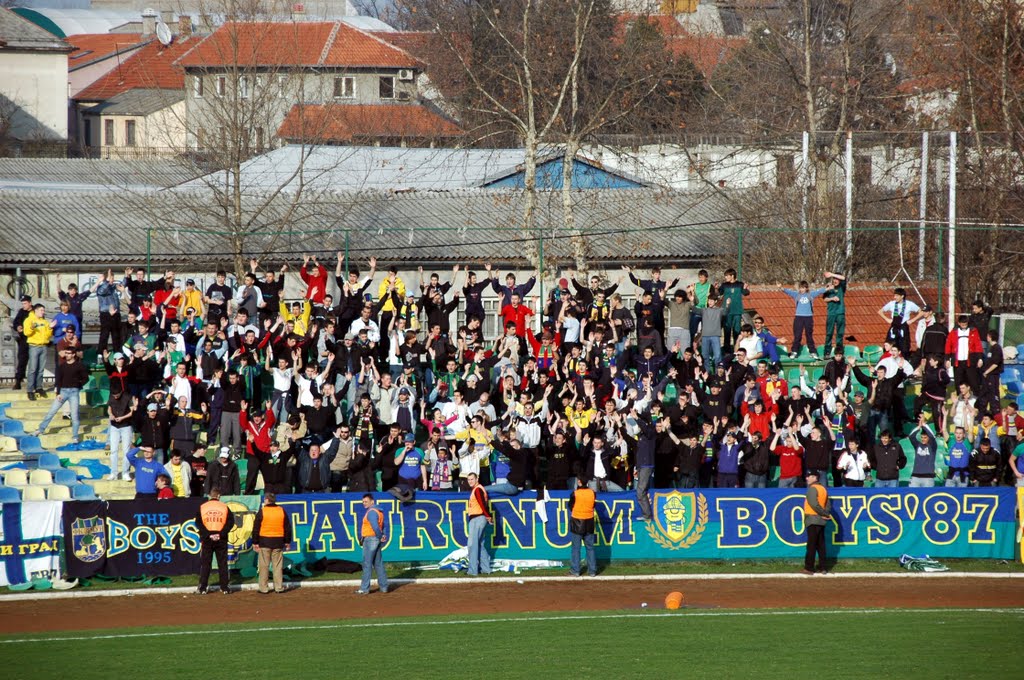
pixel 815 543
pixel 19 372
pixel 110 330
pixel 252 475
pixel 207 550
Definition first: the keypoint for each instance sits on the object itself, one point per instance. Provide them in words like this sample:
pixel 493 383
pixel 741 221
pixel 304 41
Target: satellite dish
pixel 163 33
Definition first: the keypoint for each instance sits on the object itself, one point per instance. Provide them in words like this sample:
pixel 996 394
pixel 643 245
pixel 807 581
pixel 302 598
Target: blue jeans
pixel 502 489
pixel 787 482
pixel 752 481
pixel 711 348
pixel 373 560
pixel 922 481
pixel 887 483
pixel 610 486
pixel 479 558
pixel 688 480
pixel 588 540
pixel 70 395
pixel 36 364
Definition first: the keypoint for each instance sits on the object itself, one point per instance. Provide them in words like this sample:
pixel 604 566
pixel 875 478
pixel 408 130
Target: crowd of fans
pixel 361 387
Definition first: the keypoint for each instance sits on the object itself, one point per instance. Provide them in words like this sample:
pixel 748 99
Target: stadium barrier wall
pixel 134 538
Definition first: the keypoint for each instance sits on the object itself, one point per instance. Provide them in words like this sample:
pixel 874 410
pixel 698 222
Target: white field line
pixel 526 579
pixel 520 619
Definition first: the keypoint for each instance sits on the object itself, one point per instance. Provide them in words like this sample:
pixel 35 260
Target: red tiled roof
pixel 706 51
pixel 420 44
pixel 311 43
pixel 863 300
pixel 90 47
pixel 345 122
pixel 151 68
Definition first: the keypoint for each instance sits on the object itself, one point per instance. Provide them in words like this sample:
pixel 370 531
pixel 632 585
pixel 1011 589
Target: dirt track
pixel 489 598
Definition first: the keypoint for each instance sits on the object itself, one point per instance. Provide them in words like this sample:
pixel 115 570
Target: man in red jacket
pixel 315 277
pixel 965 354
pixel 257 432
pixel 516 313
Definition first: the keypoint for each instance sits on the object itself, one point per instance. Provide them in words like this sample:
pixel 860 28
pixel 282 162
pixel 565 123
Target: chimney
pixel 167 16
pixel 184 25
pixel 148 22
pixel 298 10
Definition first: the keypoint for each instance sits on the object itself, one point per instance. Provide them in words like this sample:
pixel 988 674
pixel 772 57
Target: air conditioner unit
pixel 404 96
pixel 405 74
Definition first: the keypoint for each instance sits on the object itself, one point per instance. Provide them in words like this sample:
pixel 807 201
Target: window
pixel 344 87
pixel 259 139
pixel 282 86
pixel 243 87
pixel 129 133
pixel 108 133
pixel 387 87
pixel 201 138
pixel 222 86
pixel 785 171
pixel 197 87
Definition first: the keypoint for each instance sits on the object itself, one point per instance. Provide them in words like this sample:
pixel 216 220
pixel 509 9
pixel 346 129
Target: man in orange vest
pixel 581 526
pixel 214 521
pixel 271 532
pixel 372 538
pixel 478 517
pixel 817 513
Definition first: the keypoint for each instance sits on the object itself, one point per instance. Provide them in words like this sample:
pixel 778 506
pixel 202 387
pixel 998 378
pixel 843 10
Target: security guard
pixel 581 526
pixel 817 513
pixel 214 521
pixel 271 532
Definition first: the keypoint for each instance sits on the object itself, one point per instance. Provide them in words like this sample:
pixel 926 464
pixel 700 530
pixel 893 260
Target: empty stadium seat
pixel 83 492
pixel 33 493
pixel 40 477
pixel 9 495
pixel 851 351
pixel 63 476
pixel 872 353
pixel 29 444
pixel 49 461
pixel 12 428
pixel 15 478
pixel 58 492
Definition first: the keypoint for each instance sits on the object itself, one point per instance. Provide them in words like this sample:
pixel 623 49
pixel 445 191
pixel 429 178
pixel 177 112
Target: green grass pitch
pixel 643 643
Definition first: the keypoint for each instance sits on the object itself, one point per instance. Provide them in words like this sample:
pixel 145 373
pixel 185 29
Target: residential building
pixel 33 87
pixel 248 81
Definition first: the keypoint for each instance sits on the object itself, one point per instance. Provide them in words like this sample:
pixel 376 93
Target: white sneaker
pixel 126 477
pixel 112 477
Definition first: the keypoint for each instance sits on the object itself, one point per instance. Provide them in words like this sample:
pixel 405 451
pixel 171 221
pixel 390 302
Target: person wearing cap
pixel 190 298
pixel 18 326
pixel 214 521
pixel 223 475
pixel 271 534
pixel 38 332
pixel 411 461
pixel 70 379
pixel 154 430
pixel 817 513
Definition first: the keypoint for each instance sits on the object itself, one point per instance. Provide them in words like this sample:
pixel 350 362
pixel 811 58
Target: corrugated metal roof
pixel 68 227
pixel 70 174
pixel 343 168
pixel 138 102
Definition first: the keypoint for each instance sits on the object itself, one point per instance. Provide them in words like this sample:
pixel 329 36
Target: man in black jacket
pixel 223 475
pixel 882 392
pixel 755 456
pixel 70 379
pixel 887 459
pixel 274 467
pixel 689 458
pixel 17 323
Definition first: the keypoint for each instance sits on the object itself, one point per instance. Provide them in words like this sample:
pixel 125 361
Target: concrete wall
pixel 35 87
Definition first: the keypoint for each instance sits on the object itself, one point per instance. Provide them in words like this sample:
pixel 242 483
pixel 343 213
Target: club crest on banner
pixel 679 519
pixel 89 538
